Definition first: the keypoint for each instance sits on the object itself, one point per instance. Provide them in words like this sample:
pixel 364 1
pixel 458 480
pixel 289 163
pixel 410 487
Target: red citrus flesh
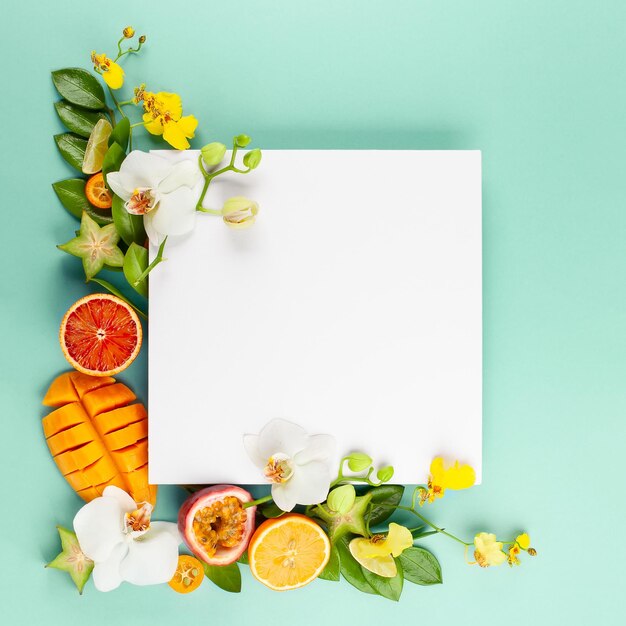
pixel 100 335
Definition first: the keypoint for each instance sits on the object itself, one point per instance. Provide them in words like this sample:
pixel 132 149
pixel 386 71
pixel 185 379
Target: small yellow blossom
pixel 112 73
pixel 163 116
pixel 455 478
pixel 522 542
pixel 377 554
pixel 128 32
pixel 239 212
pixel 514 550
pixel 488 551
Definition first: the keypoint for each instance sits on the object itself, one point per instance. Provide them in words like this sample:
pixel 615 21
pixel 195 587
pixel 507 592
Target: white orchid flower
pixel 117 534
pixel 297 464
pixel 159 190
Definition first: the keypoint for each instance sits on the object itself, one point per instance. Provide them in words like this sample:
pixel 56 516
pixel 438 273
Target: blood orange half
pixel 100 335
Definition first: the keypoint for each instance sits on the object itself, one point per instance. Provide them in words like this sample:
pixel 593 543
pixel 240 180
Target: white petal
pixel 99 527
pixel 318 448
pixel 143 170
pixel 154 237
pixel 251 445
pixel 281 436
pixel 106 574
pixel 168 527
pixel 114 180
pixel 284 499
pixel 126 502
pixel 175 214
pixel 183 174
pixel 308 485
pixel 152 558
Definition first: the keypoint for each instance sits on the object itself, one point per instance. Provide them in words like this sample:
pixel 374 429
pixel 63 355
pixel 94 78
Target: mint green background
pixel 540 87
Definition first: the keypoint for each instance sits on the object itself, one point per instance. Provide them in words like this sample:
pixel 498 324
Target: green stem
pixel 262 500
pixel 426 521
pixel 119 294
pixel 117 106
pixel 138 124
pixel 157 259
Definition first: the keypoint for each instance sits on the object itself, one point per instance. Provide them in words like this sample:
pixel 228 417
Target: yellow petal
pixel 114 76
pixel 398 539
pixel 456 477
pixel 437 471
pixel 171 103
pixel 384 566
pixel 523 541
pixel 188 125
pixel 175 136
pixel 153 126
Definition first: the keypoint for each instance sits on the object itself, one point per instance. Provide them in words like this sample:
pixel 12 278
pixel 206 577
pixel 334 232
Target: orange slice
pixel 97 192
pixel 288 552
pixel 100 335
pixel 188 576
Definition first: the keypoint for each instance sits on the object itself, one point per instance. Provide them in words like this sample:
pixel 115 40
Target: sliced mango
pixel 97 436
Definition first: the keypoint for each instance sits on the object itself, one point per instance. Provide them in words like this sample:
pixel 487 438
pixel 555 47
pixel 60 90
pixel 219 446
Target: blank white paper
pixel 352 307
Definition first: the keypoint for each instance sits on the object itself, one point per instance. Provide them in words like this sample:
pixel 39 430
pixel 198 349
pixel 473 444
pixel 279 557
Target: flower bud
pixel 128 32
pixel 213 153
pixel 142 39
pixel 239 212
pixel 241 141
pixel 532 551
pixel 252 159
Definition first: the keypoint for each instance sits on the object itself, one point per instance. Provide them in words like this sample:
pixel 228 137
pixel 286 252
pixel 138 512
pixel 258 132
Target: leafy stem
pixel 157 259
pixel 117 105
pixel 116 292
pixel 262 500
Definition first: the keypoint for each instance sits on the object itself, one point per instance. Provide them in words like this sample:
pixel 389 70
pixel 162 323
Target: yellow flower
pixel 487 550
pixel 455 478
pixel 376 554
pixel 239 212
pixel 128 32
pixel 112 73
pixel 163 116
pixel 514 550
pixel 522 542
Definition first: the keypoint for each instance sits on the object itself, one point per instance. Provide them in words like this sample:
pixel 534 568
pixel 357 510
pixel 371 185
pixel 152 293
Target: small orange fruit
pixel 188 576
pixel 97 192
pixel 288 552
pixel 100 335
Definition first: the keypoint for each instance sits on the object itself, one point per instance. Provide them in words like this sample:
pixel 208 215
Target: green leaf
pixel 79 87
pixel 358 462
pixel 72 149
pixel 420 567
pixel 271 511
pixel 390 588
pixel 385 474
pixel 252 159
pixel 341 499
pixel 130 227
pixel 351 570
pixel 243 559
pixel 71 193
pixel 116 292
pixel 78 120
pixel 226 577
pixel 113 159
pixel 121 133
pixel 72 560
pixel 384 499
pixel 135 264
pixel 332 571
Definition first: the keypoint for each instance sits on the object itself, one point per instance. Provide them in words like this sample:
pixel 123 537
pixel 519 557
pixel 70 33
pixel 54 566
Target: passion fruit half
pixel 215 525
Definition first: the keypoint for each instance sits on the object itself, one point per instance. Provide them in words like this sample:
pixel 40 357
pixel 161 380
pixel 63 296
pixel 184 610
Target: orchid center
pixel 279 468
pixel 141 202
pixel 137 522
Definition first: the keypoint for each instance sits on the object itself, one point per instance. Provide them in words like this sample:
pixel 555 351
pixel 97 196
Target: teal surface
pixel 540 88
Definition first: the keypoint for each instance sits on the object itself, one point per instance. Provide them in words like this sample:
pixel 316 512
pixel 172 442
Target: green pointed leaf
pixel 72 560
pixel 121 133
pixel 384 499
pixel 341 499
pixel 358 462
pixel 271 511
pixel 420 566
pixel 390 588
pixel 332 571
pixel 226 577
pixel 243 559
pixel 72 149
pixel 78 120
pixel 351 570
pixel 79 87
pixel 130 227
pixel 135 264
pixel 116 292
pixel 113 159
pixel 71 193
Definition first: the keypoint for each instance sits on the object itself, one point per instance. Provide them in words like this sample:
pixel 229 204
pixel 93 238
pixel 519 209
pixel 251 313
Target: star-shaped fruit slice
pixel 72 560
pixel 96 246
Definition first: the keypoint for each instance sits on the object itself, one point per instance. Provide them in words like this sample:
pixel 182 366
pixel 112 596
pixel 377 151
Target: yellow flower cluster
pixel 441 478
pixel 112 73
pixel 488 550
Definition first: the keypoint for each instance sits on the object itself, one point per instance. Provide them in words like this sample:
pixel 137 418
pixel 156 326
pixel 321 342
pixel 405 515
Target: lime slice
pixel 97 147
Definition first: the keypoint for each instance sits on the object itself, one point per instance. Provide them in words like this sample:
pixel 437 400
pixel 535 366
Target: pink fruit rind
pixel 202 498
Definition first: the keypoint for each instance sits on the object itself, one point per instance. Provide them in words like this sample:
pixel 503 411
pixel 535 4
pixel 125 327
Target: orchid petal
pixel 184 173
pixel 318 448
pixel 126 502
pixel 154 237
pixel 106 574
pixel 99 527
pixel 142 170
pixel 281 436
pixel 308 485
pixel 152 558
pixel 284 499
pixel 175 214
pixel 168 527
pixel 251 445
pixel 114 180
